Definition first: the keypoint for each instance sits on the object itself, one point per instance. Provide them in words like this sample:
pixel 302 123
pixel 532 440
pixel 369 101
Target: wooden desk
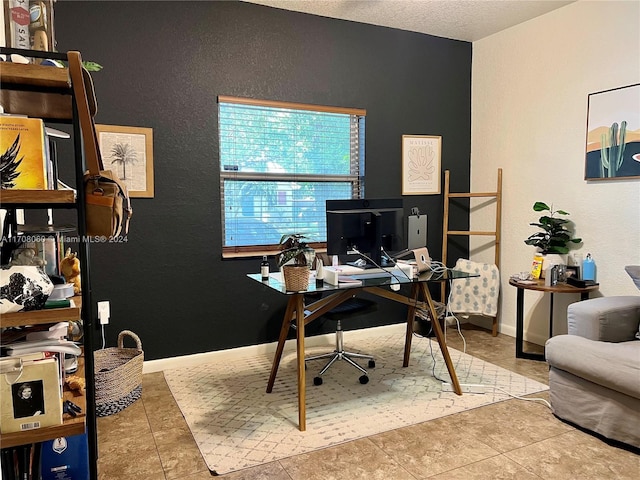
pixel 296 311
pixel 540 287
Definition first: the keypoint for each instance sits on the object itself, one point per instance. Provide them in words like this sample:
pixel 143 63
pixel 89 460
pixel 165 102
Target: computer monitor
pixel 366 226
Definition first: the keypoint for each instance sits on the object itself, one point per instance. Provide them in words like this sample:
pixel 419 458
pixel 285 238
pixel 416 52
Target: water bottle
pixel 588 268
pixel 264 268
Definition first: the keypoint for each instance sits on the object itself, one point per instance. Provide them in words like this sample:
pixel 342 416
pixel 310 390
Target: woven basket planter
pixel 296 277
pixel 118 373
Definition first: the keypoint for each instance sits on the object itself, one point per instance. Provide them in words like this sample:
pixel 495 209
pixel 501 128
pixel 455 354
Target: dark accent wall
pixel 164 65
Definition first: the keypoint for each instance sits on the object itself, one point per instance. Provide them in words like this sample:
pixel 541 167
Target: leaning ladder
pixel 494 233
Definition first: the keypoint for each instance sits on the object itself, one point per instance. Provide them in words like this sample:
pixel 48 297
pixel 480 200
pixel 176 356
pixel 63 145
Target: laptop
pixel 423 260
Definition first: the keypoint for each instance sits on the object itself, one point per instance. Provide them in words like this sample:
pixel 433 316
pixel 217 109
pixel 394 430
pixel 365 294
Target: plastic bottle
pixel 588 268
pixel 264 268
pixel 319 272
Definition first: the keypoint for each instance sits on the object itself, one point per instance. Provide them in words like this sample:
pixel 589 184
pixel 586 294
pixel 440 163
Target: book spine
pixel 19 24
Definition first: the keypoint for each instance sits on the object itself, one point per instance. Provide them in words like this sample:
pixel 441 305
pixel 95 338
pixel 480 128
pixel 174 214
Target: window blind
pixel 279 162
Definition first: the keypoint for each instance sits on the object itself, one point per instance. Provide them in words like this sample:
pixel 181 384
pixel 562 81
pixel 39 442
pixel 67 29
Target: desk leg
pixel 440 336
pixel 302 412
pixel 519 322
pixel 284 332
pixel 410 318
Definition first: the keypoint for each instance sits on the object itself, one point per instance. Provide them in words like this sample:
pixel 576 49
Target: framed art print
pixel 421 164
pixel 613 134
pixel 128 151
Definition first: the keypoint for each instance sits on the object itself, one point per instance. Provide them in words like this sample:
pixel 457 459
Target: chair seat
pixel 352 307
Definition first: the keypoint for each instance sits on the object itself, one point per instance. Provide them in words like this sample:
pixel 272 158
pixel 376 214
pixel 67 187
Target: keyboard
pixel 400 254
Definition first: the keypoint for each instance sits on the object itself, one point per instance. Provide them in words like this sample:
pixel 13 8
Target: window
pixel 279 162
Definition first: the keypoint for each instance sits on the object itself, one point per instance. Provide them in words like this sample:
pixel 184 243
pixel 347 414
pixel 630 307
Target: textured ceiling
pixel 467 20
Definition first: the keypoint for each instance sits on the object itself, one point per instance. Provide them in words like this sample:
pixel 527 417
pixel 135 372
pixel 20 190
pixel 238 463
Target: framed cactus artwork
pixel 613 134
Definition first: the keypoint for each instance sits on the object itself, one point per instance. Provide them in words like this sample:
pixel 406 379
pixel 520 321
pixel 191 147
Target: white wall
pixel 529 107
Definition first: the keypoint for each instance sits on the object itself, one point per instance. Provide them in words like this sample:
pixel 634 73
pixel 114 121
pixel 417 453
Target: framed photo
pixel 572 271
pixel 421 164
pixel 128 151
pixel 613 134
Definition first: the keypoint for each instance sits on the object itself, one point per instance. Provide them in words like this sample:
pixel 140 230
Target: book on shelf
pixel 17 23
pixel 24 149
pixel 65 457
pixel 30 395
pixel 17 349
pixel 21 462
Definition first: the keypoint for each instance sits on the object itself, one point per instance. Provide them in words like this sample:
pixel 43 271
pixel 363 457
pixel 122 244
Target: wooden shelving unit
pixel 36 91
pixel 58 198
pixel 39 317
pixel 70 426
pixel 46 92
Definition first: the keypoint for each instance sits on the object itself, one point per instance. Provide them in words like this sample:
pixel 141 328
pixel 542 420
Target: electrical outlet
pixel 465 387
pixel 103 312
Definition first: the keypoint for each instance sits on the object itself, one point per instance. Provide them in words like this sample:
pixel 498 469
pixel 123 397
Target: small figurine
pixel 70 268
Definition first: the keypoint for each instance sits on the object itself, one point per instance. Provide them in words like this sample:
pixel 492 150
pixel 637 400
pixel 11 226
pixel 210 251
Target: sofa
pixel 594 370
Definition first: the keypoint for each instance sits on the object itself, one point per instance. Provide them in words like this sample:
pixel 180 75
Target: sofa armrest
pixel 608 319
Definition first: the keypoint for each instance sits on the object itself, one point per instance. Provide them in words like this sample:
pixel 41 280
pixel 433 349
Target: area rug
pixel 236 424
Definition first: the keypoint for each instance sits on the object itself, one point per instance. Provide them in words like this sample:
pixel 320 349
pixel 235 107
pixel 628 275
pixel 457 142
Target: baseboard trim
pixel 328 340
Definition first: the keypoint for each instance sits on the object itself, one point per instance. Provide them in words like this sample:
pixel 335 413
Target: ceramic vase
pixel 23 287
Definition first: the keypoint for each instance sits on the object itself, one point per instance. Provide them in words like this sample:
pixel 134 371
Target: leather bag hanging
pixel 108 207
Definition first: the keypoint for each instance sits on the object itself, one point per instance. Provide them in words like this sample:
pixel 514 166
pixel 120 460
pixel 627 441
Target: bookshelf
pixel 47 93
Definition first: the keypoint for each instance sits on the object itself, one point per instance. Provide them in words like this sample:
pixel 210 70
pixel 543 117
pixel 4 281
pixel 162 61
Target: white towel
pixel 478 295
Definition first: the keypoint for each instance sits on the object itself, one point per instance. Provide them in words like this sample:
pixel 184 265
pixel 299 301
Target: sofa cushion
pixel 634 273
pixel 608 319
pixel 612 365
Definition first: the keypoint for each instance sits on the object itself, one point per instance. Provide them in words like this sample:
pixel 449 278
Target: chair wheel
pixel 364 379
pixel 317 380
pixel 372 364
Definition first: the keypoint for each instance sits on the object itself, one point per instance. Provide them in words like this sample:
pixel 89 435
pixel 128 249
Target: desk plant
pixel 555 237
pixel 294 247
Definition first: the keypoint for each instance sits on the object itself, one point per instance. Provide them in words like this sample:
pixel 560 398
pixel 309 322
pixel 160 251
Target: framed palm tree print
pixel 128 151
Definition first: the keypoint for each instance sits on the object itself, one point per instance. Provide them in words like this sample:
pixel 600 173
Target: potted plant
pixel 295 260
pixel 555 237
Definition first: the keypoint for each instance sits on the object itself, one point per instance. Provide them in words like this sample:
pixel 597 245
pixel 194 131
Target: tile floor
pixel 512 439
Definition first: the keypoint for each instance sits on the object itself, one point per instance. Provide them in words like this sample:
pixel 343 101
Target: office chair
pixel 350 308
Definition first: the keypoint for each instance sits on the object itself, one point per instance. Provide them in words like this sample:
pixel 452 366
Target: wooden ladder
pixel 493 233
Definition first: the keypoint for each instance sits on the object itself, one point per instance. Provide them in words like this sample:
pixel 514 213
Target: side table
pixel 540 287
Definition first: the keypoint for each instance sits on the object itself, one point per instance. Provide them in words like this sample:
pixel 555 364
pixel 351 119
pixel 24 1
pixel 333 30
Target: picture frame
pixel 572 271
pixel 421 164
pixel 612 150
pixel 128 151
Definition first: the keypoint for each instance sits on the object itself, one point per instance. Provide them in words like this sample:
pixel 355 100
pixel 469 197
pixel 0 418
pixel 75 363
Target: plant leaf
pixel 540 206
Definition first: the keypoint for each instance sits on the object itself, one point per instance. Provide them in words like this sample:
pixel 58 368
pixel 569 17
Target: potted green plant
pixel 555 237
pixel 295 260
